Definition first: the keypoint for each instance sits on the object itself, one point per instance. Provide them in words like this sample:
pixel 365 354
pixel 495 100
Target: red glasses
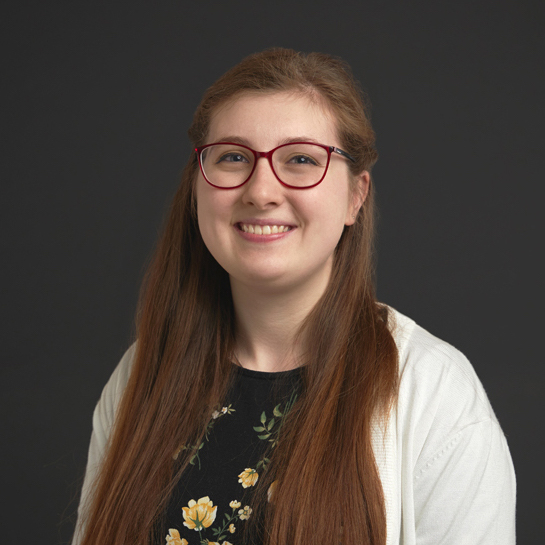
pixel 299 165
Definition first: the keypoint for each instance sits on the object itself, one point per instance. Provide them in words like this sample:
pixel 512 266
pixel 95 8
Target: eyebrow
pixel 246 142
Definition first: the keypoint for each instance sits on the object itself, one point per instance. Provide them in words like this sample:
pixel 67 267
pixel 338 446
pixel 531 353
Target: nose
pixel 263 190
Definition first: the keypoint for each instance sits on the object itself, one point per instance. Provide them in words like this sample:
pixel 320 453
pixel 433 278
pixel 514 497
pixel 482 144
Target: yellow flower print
pixel 234 504
pixel 244 513
pixel 200 514
pixel 232 528
pixel 174 538
pixel 248 477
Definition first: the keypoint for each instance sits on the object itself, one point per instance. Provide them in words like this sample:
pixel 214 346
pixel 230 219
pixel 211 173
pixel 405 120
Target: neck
pixel 268 322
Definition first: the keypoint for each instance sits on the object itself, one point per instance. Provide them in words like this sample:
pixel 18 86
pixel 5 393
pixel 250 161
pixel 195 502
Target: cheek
pixel 214 212
pixel 210 200
pixel 206 213
pixel 327 215
pixel 208 203
pixel 330 208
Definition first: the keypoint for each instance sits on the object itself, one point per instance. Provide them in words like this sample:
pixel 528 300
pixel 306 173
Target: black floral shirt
pixel 213 499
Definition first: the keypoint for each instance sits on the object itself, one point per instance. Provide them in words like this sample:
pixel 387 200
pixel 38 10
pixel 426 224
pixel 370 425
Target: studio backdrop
pixel 96 101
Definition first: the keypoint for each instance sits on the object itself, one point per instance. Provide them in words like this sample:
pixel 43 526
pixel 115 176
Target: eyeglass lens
pixel 298 165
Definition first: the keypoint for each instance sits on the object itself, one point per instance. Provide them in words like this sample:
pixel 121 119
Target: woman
pixel 270 398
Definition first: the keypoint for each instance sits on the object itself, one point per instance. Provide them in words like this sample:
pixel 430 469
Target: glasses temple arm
pixel 343 153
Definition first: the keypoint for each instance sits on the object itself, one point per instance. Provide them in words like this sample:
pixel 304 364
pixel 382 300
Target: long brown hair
pixel 328 489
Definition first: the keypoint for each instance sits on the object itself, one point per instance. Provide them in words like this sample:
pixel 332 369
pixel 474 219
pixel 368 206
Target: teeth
pixel 265 229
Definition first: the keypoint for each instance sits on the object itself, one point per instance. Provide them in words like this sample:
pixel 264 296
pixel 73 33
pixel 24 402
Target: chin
pixel 262 278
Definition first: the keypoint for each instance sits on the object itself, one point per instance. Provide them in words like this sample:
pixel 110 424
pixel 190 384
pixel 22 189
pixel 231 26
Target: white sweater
pixel 443 460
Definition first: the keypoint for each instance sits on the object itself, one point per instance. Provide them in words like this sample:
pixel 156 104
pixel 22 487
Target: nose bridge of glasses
pixel 266 155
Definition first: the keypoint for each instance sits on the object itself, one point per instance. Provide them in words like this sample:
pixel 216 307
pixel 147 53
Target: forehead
pixel 265 120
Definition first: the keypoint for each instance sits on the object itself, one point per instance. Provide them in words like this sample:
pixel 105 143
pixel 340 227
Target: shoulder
pixel 103 421
pixel 436 376
pixel 112 393
pixel 453 469
pixel 441 403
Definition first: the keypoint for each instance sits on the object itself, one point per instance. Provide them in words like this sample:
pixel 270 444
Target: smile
pixel 264 229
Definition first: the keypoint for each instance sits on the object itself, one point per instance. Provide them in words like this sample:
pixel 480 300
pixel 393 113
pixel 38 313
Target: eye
pixel 232 157
pixel 302 160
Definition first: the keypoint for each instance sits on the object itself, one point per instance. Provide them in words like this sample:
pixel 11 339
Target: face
pixel 300 228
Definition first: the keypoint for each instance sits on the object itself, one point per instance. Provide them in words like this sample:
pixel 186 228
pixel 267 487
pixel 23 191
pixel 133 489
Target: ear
pixel 359 194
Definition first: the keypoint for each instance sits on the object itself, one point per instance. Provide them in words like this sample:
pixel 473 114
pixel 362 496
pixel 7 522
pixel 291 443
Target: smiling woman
pixel 237 224
pixel 269 397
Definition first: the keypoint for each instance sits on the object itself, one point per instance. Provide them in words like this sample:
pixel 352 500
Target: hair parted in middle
pixel 327 489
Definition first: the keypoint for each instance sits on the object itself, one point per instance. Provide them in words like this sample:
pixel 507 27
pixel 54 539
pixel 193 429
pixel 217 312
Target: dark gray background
pixel 96 100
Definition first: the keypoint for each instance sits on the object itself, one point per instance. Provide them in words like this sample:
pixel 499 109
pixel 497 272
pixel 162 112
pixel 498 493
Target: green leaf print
pixel 269 431
pixel 217 413
pixel 222 532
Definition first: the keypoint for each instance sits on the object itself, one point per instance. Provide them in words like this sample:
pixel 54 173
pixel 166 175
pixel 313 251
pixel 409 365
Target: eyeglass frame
pixel 268 156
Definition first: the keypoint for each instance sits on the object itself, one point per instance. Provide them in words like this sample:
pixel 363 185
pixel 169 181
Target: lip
pixel 251 237
pixel 266 221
